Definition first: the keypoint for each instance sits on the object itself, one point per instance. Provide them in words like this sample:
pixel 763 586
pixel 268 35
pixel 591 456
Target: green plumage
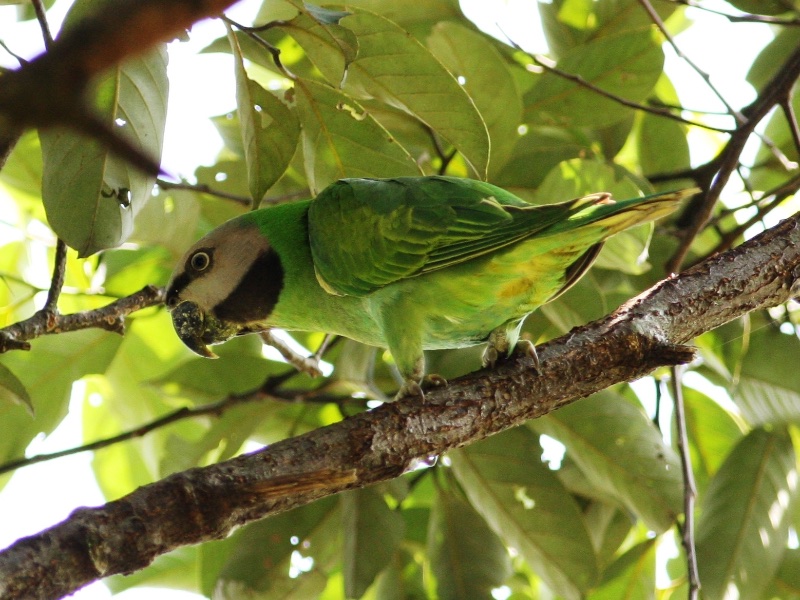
pixel 407 263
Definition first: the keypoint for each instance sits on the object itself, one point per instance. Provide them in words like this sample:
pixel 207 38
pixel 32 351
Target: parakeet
pixel 409 264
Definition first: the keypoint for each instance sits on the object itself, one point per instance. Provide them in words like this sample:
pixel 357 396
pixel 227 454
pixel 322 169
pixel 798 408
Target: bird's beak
pixel 191 327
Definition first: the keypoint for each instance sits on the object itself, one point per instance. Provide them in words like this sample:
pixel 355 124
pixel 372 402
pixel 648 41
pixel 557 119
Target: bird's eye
pixel 200 261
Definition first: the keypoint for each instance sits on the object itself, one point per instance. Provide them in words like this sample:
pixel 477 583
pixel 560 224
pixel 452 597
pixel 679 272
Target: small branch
pixel 689 487
pixel 780 193
pixel 48 90
pixel 546 64
pixel 791 118
pixel 110 318
pixel 744 18
pixel 654 16
pixel 215 408
pixel 202 189
pixel 57 282
pixel 41 16
pixel 304 364
pixel 699 210
pixel 274 52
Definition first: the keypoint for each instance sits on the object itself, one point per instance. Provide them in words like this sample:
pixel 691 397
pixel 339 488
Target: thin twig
pixel 57 282
pixel 305 364
pixel 41 16
pixel 699 211
pixel 654 16
pixel 546 64
pixel 779 193
pixel 215 408
pixel 743 18
pixel 689 487
pixel 274 52
pixel 203 189
pixel 791 118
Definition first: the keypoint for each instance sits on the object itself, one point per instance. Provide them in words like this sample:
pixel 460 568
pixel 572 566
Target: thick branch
pixel 206 503
pixel 48 90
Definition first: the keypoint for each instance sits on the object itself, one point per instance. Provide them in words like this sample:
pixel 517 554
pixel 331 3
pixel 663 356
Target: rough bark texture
pixel 205 503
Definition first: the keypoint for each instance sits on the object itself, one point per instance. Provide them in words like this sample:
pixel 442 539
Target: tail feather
pixel 614 217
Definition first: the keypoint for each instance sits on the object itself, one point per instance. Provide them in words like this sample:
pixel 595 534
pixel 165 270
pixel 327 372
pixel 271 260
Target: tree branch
pixel 45 322
pixel 48 90
pixel 689 486
pixel 699 209
pixel 206 503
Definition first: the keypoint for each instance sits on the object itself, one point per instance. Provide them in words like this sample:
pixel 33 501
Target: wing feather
pixel 368 233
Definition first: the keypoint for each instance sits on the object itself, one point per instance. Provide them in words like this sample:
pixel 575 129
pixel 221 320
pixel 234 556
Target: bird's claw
pixel 411 387
pixel 492 354
pixel 529 348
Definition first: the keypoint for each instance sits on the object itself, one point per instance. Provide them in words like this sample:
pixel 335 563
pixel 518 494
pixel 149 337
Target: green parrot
pixel 409 264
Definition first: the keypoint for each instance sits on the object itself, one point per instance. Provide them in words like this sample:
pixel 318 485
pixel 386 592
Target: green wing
pixel 368 233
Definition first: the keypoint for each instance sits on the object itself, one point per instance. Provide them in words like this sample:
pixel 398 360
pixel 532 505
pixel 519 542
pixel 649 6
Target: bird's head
pixel 225 285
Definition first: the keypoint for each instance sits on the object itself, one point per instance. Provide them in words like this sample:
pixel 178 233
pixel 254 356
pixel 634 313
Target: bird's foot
pixel 495 353
pixel 411 387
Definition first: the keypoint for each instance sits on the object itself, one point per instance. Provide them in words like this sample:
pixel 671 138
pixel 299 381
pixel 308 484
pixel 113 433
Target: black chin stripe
pixel 180 283
pixel 257 293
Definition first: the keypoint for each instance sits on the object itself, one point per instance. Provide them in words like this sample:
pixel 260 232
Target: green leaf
pixel 609 526
pixel 467 558
pixel 395 68
pixel 712 431
pixel 626 251
pixel 528 507
pixel 415 16
pixel 86 189
pixel 571 23
pixel 765 7
pixel 177 570
pixel 270 130
pixel 47 372
pixel 341 139
pixel 487 80
pixel 663 147
pixel 744 520
pixel 627 65
pixel 241 368
pixel 631 577
pixel 13 391
pixel 327 44
pixel 260 556
pixel 535 154
pixel 23 169
pixel 787 581
pixel 772 56
pixel 372 534
pixel 622 454
pixel 768 390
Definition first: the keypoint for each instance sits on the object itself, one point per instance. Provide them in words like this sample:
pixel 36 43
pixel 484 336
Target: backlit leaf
pixel 341 139
pixel 395 68
pixel 372 534
pixel 744 518
pixel 91 196
pixel 528 507
pixel 621 453
pixel 467 558
pixel 270 131
pixel 627 65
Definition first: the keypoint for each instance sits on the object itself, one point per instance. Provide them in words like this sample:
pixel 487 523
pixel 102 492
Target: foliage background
pixel 591 525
